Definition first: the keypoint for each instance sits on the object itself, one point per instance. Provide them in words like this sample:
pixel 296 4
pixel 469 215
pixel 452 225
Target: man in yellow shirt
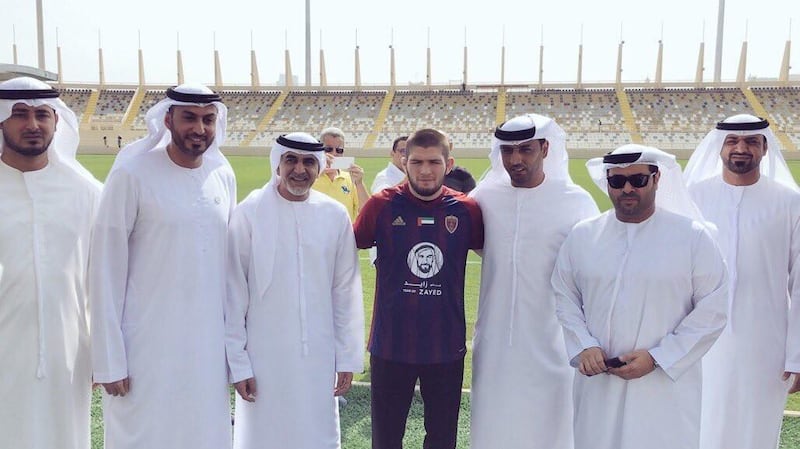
pixel 345 186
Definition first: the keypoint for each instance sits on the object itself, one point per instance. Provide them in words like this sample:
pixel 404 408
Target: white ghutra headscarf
pixel 672 194
pixel 706 163
pixel 522 129
pixel 157 133
pixel 35 93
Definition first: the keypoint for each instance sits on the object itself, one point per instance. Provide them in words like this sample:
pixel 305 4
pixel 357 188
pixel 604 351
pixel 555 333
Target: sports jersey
pixel 422 246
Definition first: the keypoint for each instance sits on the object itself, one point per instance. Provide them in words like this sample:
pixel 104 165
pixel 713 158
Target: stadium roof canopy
pixel 8 71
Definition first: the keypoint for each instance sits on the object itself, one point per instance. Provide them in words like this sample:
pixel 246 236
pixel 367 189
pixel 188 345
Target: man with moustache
pixel 157 280
pixel 641 293
pixel 394 173
pixel 418 329
pixel 345 186
pixel 521 379
pixel 48 205
pixel 294 314
pixel 740 182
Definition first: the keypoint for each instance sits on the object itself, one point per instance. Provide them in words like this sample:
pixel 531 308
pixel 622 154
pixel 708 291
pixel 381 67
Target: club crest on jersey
pixel 451 223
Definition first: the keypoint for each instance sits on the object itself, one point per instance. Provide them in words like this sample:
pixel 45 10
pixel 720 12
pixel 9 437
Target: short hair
pixel 331 131
pixel 398 140
pixel 429 137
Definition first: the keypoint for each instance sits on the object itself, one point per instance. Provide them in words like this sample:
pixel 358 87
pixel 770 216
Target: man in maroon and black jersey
pixel 422 231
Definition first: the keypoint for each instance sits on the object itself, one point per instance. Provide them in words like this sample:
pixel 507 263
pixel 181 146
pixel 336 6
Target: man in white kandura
pixel 157 280
pixel 48 205
pixel 294 313
pixel 521 379
pixel 394 173
pixel 641 293
pixel 740 182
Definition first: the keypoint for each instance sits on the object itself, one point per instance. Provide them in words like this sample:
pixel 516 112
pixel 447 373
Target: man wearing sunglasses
pixel 521 379
pixel 741 183
pixel 641 292
pixel 345 186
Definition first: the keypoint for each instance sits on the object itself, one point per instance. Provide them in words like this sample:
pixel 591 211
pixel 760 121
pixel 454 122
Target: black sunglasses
pixel 338 150
pixel 638 180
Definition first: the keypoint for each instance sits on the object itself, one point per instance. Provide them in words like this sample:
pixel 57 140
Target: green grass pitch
pixel 253 172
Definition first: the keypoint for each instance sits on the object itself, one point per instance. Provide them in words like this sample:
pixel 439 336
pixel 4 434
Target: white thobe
pixel 294 317
pixel 759 234
pixel 659 285
pixel 45 379
pixel 521 378
pixel 388 177
pixel 157 288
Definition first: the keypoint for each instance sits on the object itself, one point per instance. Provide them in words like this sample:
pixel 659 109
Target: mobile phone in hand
pixel 614 363
pixel 343 162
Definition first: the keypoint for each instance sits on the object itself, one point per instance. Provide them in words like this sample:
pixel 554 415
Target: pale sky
pixel 765 24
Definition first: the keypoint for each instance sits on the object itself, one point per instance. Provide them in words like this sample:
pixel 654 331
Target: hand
pixel 118 388
pixel 796 384
pixel 592 361
pixel 638 363
pixel 246 389
pixel 356 174
pixel 328 161
pixel 343 382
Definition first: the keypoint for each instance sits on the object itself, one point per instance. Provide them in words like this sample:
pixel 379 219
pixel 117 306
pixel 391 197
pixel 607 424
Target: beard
pixel 645 202
pixel 298 187
pixel 298 190
pixel 26 150
pixel 740 166
pixel 422 191
pixel 520 178
pixel 626 210
pixel 190 147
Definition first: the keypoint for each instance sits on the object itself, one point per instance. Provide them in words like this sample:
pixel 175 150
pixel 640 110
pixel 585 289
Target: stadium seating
pixel 595 110
pixel 669 118
pixel 353 112
pixel 783 104
pixel 245 110
pixel 151 97
pixel 76 99
pixel 605 141
pixel 684 110
pixel 467 116
pixel 112 104
pixel 795 137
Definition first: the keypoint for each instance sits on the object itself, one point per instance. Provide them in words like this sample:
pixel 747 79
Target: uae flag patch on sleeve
pixel 422 221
